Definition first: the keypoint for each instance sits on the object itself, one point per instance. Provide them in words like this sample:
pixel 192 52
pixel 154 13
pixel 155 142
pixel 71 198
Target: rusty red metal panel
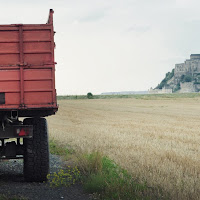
pixel 27 66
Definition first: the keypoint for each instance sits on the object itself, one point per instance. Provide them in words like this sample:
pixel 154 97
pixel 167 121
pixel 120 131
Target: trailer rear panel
pixel 27 68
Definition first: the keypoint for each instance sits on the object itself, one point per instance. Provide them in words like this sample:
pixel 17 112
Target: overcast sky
pixel 113 45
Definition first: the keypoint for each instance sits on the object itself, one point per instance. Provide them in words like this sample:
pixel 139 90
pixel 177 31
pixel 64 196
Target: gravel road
pixel 12 183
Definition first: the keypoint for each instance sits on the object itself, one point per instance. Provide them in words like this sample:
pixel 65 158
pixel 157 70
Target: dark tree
pixel 89 95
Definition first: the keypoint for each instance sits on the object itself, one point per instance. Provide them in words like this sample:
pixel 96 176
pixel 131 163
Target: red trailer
pixel 27 89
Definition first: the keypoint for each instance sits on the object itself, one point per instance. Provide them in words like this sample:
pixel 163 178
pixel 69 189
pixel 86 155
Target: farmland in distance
pixel 156 140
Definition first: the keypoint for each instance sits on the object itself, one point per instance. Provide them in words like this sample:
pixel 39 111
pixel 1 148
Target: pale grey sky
pixel 113 45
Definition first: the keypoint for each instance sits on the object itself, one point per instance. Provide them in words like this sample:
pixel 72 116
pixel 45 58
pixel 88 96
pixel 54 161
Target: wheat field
pixel 157 141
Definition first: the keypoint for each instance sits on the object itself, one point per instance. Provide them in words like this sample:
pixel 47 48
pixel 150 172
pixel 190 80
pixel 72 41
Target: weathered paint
pixel 27 66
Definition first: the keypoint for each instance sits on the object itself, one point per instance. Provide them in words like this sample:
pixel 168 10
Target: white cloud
pixel 187 3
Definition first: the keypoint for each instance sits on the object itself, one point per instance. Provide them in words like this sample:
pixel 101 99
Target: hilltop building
pixel 184 78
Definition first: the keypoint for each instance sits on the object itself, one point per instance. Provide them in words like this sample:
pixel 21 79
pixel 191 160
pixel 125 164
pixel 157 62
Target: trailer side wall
pixel 27 67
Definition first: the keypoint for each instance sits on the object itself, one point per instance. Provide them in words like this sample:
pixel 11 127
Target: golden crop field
pixel 157 141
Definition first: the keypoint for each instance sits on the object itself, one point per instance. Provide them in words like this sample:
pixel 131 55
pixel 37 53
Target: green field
pixel 136 96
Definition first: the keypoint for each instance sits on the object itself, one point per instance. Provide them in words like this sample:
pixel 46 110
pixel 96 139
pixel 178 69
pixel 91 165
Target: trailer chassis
pixel 27 140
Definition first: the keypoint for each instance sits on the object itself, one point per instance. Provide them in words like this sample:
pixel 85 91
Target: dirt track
pixel 12 183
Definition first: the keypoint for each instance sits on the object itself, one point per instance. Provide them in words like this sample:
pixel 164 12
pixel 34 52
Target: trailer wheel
pixel 36 151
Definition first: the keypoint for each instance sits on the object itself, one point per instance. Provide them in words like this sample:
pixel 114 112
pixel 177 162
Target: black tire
pixel 36 151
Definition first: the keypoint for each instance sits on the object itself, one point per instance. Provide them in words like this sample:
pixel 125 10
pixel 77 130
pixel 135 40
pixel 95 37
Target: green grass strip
pixel 136 96
pixel 106 180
